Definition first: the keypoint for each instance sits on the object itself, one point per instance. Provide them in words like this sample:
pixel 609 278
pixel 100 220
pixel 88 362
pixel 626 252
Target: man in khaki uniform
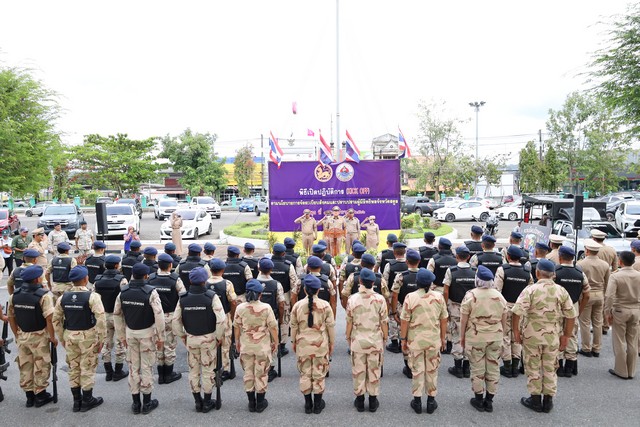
pixel 335 223
pixel 59 269
pixel 56 236
pixel 353 229
pixel 555 241
pixel 84 239
pixel 622 307
pixel 608 254
pixel 309 230
pixel 39 243
pixel 597 271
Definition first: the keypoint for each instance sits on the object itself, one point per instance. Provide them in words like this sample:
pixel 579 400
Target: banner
pixel 533 234
pixel 371 187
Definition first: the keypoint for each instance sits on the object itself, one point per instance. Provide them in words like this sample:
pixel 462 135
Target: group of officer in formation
pixel 477 303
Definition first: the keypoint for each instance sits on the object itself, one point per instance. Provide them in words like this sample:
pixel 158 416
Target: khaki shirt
pixel 597 271
pixel 623 290
pixel 329 223
pixel 366 311
pixel 608 254
pixel 56 237
pixel 308 225
pixel 41 247
pixel 352 225
pixel 156 330
pixel 85 239
pixel 553 256
pixel 636 265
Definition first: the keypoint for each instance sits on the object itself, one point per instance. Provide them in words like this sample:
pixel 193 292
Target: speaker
pixel 101 219
pixel 578 207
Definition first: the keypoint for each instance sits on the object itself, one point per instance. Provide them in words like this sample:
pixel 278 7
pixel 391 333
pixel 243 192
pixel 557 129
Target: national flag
pixel 310 132
pixel 403 146
pixel 325 156
pixel 351 152
pixel 275 152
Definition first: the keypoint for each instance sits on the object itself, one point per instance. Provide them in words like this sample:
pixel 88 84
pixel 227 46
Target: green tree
pixel 28 138
pixel 491 169
pixel 530 168
pixel 552 174
pixel 243 167
pixel 115 161
pixel 194 156
pixel 61 168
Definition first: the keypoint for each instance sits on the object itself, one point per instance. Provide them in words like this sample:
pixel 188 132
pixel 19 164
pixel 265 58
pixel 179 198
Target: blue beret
pixel 515 251
pixel 209 246
pixel 255 286
pixel 265 264
pixel 367 275
pixel 198 276
pixel 55 224
pixel 279 247
pixel 323 243
pixel 566 250
pixel 484 273
pixel 63 246
pixel 317 249
pixel 217 264
pixel 356 242
pixel 413 255
pixel 31 253
pixel 476 229
pixel 135 244
pixel 150 250
pixel 635 244
pixel 311 281
pixel 112 259
pixel 314 262
pixel 444 242
pixel 543 246
pixel 233 250
pixel 31 273
pixel 194 247
pixel 359 249
pixel 425 277
pixel 369 259
pixel 399 245
pixel 288 241
pixel 392 238
pixel 140 269
pixel 170 247
pixel 487 238
pixel 516 235
pixel 546 265
pixel 99 244
pixel 78 273
pixel 249 246
pixel 429 235
pixel 462 250
pixel 165 258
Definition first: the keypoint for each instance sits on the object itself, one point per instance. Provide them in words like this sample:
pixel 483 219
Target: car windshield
pixel 206 200
pixel 166 203
pixel 611 231
pixel 60 210
pixel 455 204
pixel 187 214
pixel 4 214
pixel 119 210
pixel 633 210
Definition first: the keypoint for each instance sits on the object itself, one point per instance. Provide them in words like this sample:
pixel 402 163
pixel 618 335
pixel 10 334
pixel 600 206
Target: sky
pixel 234 68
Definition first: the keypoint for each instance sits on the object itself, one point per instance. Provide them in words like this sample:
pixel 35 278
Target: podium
pixel 334 235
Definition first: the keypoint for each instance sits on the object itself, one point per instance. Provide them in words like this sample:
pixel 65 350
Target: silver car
pixel 38 209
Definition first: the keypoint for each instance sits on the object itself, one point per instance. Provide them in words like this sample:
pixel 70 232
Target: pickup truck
pixel 564 227
pixel 420 205
pixel 68 215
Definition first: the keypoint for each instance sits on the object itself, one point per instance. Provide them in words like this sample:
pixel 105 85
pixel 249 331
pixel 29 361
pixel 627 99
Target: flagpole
pixel 337 153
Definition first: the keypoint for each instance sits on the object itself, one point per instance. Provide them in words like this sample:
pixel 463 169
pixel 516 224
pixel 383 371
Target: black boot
pixel 574 367
pixel 394 347
pixel 318 403
pixel 456 370
pixel 197 397
pixel 283 350
pixel 466 369
pixel 272 375
pixel 31 399
pixel 373 403
pixel 560 370
pixel 261 402
pixel 119 373
pixel 416 404
pixel 43 398
pixel 547 404
pixel 521 369
pixel 108 368
pixel 149 404
pixel 88 401
pixel 160 374
pixel 252 401
pixel 568 369
pixel 488 402
pixel 406 370
pixel 506 369
pixel 225 376
pixel 136 406
pixel 208 403
pixel 448 348
pixel 77 398
pixel 534 402
pixel 308 404
pixel 515 367
pixel 1 395
pixel 359 403
pixel 477 402
pixel 169 375
pixel 432 405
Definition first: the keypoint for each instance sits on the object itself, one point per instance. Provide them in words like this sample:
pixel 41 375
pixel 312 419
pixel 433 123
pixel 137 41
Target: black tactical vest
pixel 291 256
pixel 107 285
pixel 95 266
pixel 570 278
pixel 395 267
pixel 175 262
pixel 377 285
pixel 198 317
pixel 128 262
pixel 443 260
pixel 26 307
pixel 516 278
pixel 220 288
pixel 323 292
pixel 253 265
pixel 77 312
pixel 534 266
pixel 492 260
pixel 137 310
pixel 280 272
pixel 474 246
pixel 165 285
pixel 270 295
pixel 188 264
pixel 327 257
pixel 61 266
pixel 462 280
pixel 17 279
pixel 386 256
pixel 351 268
pixel 152 264
pixel 234 272
pixel 409 284
pixel 426 253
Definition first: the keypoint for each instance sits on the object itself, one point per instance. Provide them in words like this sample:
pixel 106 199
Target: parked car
pixel 616 197
pixel 464 210
pixel 420 205
pixel 133 202
pixel 9 220
pixel 16 204
pixel 627 217
pixel 164 208
pixel 107 200
pixel 514 211
pixel 207 203
pixel 195 223
pixel 262 206
pixel 614 239
pixel 182 204
pixel 120 217
pixel 490 204
pixel 38 209
pixel 451 200
pixel 247 205
pixel 612 208
pixel 68 215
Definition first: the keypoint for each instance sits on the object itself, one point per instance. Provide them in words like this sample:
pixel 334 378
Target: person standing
pixel 373 233
pixel 191 261
pixel 387 254
pixel 273 295
pixel 176 232
pixel 80 324
pixel 540 252
pixel 285 272
pixel 622 307
pixel 95 261
pixel 39 243
pixel 130 237
pixel 7 251
pixel 366 333
pixel 475 244
pixel 56 236
pixel 15 280
pixel 309 228
pixel 209 250
pixel 59 269
pixel 131 257
pixel 149 258
pixel 313 341
pixel 291 255
pixel 555 241
pixel 352 228
pixel 170 249
pixel 250 259
pixel 423 335
pixel 237 271
pixel 608 254
pixel 545 305
pixel 335 224
pixel 256 336
pixel 489 257
pixel 19 244
pixel 84 239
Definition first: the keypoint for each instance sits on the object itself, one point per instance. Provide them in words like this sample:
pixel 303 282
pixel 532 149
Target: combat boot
pixel 1 395
pixel 521 369
pixel 88 401
pixel 416 404
pixel 488 402
pixel 373 403
pixel 252 401
pixel 31 399
pixel 169 375
pixel 198 399
pixel 136 406
pixel 272 375
pixel 119 373
pixel 574 367
pixel 448 348
pixel 282 349
pixel 547 404
pixel 318 403
pixel 261 402
pixel 108 368
pixel 466 369
pixel 560 370
pixel 407 370
pixel 149 404
pixel 432 405
pixel 515 367
pixel 160 374
pixel 77 398
pixel 308 404
pixel 43 398
pixel 359 403
pixel 208 403
pixel 568 369
pixel 534 402
pixel 506 370
pixel 477 402
pixel 456 370
pixel 394 347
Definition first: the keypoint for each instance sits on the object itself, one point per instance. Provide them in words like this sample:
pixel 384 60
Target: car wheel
pixel 418 211
pixel 450 217
pixel 610 216
pixel 484 216
pixel 29 214
pixel 513 216
pixel 210 230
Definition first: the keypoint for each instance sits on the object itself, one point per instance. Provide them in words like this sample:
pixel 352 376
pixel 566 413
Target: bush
pixel 91 197
pixel 426 222
pixel 407 222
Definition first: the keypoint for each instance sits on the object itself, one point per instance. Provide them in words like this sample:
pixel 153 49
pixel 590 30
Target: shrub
pixel 407 222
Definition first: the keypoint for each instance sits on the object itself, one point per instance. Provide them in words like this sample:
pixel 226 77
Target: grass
pixel 441 231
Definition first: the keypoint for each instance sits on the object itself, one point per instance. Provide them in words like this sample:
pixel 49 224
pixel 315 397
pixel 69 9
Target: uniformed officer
pixel 224 289
pixel 169 287
pixel 272 294
pixel 372 231
pixel 249 258
pixel 95 261
pixel 140 327
pixel 555 241
pixel 313 341
pixel 58 270
pixel 608 254
pixel 200 322
pixel 428 250
pixel 291 255
pixel 328 269
pixel 237 271
pixel 132 257
pixel 334 223
pixel 366 333
pixel 387 254
pixel 515 239
pixel 80 324
pixel 39 243
pixel 108 285
pixel 540 252
pixel 327 289
pixel 458 280
pixel 30 312
pixel 635 248
pixel 209 252
pixel 15 280
pixel 489 257
pixel 598 272
pixel 309 230
pixel 57 236
pixel 475 244
pixel 483 318
pixel 170 249
pixel 84 239
pixel 350 268
pixel 545 305
pixel 326 257
pixel 424 324
pixel 187 264
pixel 511 279
pixel 441 262
pixel 19 244
pixel 392 269
pixel 149 255
pixel 285 272
pixel 352 225
pixel 256 336
pixel 351 286
pixel 622 306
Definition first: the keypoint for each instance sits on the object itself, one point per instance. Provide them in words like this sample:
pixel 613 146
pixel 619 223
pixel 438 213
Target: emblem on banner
pixel 344 172
pixel 323 173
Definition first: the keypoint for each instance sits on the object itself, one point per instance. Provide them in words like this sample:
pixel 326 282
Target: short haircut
pixel 627 258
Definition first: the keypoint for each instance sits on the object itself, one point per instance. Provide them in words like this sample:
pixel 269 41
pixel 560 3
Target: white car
pixel 627 217
pixel 164 208
pixel 120 218
pixel 207 203
pixel 448 201
pixel 462 211
pixel 195 223
pixel 514 211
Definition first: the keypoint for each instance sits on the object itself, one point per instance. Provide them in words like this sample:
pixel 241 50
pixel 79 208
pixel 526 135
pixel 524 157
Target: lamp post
pixel 476 105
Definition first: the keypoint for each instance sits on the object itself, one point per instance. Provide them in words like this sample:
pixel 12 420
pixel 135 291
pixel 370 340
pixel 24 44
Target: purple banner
pixel 371 187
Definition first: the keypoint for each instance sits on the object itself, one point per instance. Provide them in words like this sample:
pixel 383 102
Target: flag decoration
pixel 310 132
pixel 403 146
pixel 351 152
pixel 325 156
pixel 275 152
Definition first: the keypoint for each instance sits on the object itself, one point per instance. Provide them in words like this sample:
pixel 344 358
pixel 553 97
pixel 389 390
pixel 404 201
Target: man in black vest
pixel 327 290
pixel 326 256
pixel 209 252
pixel 291 255
pixel 170 249
pixel 516 239
pixel 387 254
pixel 428 250
pixel 79 322
pixel 140 325
pixel 403 284
pixel 284 271
pixel 95 262
pixel 108 286
pixel 352 285
pixel 511 279
pixel 130 258
pixel 475 244
pixel 392 269
pixel 328 269
pixel 489 257
pixel 149 258
pixel 250 259
pixel 237 272
pixel 351 267
pixel 58 271
pixel 169 287
pixel 200 321
pixel 439 265
pixel 540 252
pixel 15 281
pixel 572 278
pixel 30 312
pixel 457 281
pixel 272 294
pixel 187 264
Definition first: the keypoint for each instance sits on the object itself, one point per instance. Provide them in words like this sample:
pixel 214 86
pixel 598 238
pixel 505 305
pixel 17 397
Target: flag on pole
pixel 325 156
pixel 403 146
pixel 275 152
pixel 310 132
pixel 351 152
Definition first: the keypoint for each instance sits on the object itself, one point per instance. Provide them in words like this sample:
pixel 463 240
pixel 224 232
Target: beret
pixel 135 244
pixel 209 246
pixel 566 250
pixel 150 250
pixel 476 229
pixel 31 273
pixel 316 249
pixel 444 242
pixel 265 264
pixel 288 241
pixel 462 250
pixel 369 259
pixel 63 246
pixel 543 246
pixel 314 262
pixel 311 281
pixel 392 238
pixel 279 247
pixel 634 244
pixel 356 242
pixel 198 275
pixel 255 286
pixel 515 251
pixel 233 250
pixel 484 273
pixel 194 247
pixel 31 253
pixel 249 246
pixel 399 245
pixel 112 259
pixel 323 243
pixel 217 264
pixel 487 238
pixel 55 224
pixel 546 265
pixel 425 277
pixel 358 248
pixel 170 247
pixel 516 235
pixel 413 255
pixel 140 269
pixel 429 235
pixel 78 273
pixel 367 275
pixel 165 258
pixel 99 244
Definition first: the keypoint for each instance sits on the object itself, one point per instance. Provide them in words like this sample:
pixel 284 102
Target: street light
pixel 476 105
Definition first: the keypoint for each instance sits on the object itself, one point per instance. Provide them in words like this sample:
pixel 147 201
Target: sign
pixel 371 187
pixel 533 234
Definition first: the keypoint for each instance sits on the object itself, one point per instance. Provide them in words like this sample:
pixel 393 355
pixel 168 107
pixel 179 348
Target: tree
pixel 115 161
pixel 552 173
pixel 61 168
pixel 243 167
pixel 491 171
pixel 193 154
pixel 28 138
pixel 530 168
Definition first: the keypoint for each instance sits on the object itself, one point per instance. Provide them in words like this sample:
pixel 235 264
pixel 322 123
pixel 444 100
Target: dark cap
pixel 194 247
pixel 63 246
pixel 515 252
pixel 546 265
pixel 484 273
pixel 150 250
pixel 265 264
pixel 31 273
pixel 443 241
pixel 392 238
pixel 289 242
pixel 311 282
pixel 367 275
pixel 216 264
pixel 413 255
pixel 198 276
pixel 487 238
pixel 249 246
pixel 78 273
pixel 233 250
pixel 135 244
pixel 140 269
pixel 476 229
pixel 425 277
pixel 165 258
pixel 99 244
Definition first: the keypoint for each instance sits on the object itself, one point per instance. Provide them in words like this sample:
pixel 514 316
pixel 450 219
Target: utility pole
pixel 476 105
pixel 337 79
pixel 540 139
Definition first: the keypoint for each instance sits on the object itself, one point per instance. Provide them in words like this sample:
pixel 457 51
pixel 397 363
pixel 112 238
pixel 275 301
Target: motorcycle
pixel 490 226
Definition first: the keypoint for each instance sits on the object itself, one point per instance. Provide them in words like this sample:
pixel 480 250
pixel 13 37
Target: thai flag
pixel 325 156
pixel 275 152
pixel 403 146
pixel 352 154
